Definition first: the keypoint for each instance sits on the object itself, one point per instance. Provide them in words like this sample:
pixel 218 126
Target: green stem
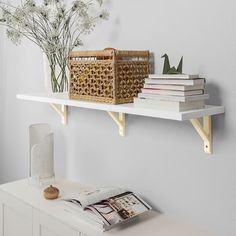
pixel 59 80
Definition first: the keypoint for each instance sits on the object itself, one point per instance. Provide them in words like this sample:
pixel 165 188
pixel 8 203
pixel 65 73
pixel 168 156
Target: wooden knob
pixel 51 193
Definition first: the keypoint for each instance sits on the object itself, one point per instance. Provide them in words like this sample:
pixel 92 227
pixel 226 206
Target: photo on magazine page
pixel 119 208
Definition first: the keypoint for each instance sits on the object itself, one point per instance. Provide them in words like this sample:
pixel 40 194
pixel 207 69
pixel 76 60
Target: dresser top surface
pixel 151 224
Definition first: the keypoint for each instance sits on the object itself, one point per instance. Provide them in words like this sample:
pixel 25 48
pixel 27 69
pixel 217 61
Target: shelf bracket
pixel 120 121
pixel 205 132
pixel 62 112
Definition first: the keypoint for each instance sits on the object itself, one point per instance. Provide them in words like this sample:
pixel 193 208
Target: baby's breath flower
pixel 30 4
pixel 62 9
pixel 87 23
pixel 14 36
pixel 47 2
pixel 104 15
pixel 78 43
pixel 55 27
pixel 79 5
pixel 9 19
pixel 44 12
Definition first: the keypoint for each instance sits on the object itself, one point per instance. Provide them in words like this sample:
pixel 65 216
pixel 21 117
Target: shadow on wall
pixel 114 35
pixel 215 99
pixel 152 63
pixel 215 94
pixel 60 156
pixel 152 203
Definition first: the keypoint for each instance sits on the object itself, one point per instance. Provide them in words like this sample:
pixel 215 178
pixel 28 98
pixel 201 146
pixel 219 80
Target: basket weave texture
pixel 108 76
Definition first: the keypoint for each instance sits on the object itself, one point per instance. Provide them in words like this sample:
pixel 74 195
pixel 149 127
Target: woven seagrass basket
pixel 108 76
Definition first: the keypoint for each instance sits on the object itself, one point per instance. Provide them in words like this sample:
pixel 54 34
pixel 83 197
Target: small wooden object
pixel 51 193
pixel 108 76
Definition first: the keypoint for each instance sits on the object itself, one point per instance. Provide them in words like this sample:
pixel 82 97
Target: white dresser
pixel 24 212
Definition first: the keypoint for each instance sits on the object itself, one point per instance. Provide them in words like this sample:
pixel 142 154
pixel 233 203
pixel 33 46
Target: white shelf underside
pixel 63 99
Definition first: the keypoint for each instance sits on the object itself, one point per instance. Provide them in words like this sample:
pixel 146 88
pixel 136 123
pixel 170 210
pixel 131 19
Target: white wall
pixel 2 85
pixel 162 160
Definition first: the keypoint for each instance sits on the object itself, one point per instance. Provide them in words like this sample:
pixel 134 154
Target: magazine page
pixel 119 208
pixel 78 210
pixel 87 198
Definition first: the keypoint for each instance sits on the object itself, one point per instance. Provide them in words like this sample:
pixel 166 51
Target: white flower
pixel 104 15
pixel 8 17
pixel 78 43
pixel 52 25
pixel 47 2
pixel 30 3
pixel 44 12
pixel 78 4
pixel 14 36
pixel 87 24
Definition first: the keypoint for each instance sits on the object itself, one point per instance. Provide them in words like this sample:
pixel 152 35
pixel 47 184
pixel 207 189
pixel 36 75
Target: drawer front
pixel 44 225
pixel 15 216
pixel 11 202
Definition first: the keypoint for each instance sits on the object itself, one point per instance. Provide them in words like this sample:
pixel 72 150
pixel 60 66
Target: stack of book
pixel 177 92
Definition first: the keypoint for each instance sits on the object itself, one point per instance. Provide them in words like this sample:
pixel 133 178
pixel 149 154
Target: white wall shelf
pixel 60 103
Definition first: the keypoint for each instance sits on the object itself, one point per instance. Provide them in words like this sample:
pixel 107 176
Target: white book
pixel 174 98
pixel 168 105
pixel 175 87
pixel 173 76
pixel 176 81
pixel 172 92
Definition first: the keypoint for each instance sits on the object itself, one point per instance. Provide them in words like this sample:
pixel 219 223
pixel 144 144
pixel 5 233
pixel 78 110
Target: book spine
pixel 189 82
pixel 173 76
pixel 173 98
pixel 172 92
pixel 174 87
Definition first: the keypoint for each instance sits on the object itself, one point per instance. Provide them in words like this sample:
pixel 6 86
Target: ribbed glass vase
pixel 56 72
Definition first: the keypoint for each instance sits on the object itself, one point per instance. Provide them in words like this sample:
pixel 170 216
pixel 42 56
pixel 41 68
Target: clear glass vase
pixel 56 73
pixel 41 158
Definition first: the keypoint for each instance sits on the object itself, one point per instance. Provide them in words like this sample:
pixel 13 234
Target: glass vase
pixel 56 73
pixel 41 158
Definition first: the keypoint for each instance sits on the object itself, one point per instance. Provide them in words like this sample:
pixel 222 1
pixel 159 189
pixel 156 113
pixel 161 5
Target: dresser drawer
pixel 45 225
pixel 12 202
pixel 15 216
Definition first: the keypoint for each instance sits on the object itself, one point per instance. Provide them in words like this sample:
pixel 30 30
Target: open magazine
pixel 107 207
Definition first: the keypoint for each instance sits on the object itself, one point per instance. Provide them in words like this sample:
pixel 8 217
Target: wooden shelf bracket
pixel 62 112
pixel 205 132
pixel 119 120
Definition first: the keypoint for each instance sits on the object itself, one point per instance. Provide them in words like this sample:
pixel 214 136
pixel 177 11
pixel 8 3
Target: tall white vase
pixel 41 161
